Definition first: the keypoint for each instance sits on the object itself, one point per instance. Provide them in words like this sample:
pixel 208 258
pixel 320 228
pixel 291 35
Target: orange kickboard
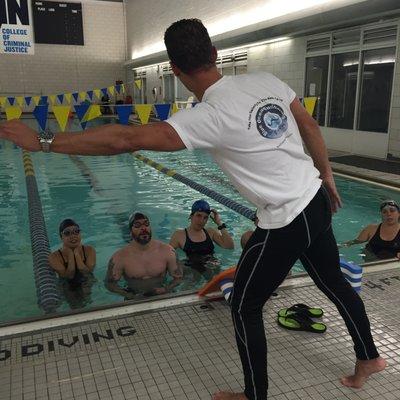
pixel 214 284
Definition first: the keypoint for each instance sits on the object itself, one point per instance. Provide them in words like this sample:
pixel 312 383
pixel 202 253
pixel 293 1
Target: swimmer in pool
pixel 74 263
pixel 143 263
pixel 384 238
pixel 197 241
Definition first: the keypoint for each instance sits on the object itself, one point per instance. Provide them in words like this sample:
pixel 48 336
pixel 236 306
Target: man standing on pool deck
pixel 253 125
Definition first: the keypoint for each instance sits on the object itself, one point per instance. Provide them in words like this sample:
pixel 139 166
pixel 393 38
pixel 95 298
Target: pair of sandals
pixel 299 318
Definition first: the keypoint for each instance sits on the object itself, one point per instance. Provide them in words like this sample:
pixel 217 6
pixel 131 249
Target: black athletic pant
pixel 264 264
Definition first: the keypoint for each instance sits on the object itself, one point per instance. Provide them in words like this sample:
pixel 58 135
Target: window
pixel 343 90
pixel 316 84
pixel 376 89
pixel 350 72
pixel 169 88
pixel 240 69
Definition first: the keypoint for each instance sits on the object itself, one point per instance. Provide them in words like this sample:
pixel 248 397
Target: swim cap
pixel 389 203
pixel 202 206
pixel 135 216
pixel 65 224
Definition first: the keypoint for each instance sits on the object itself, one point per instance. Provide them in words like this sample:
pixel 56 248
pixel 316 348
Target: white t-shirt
pixel 245 123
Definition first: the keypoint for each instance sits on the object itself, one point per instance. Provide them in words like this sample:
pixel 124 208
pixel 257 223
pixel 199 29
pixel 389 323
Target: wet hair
pixel 189 46
pixel 65 224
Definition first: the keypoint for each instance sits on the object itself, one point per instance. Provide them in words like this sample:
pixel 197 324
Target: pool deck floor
pixel 187 352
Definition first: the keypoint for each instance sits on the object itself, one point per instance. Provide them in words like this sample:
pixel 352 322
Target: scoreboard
pixel 57 22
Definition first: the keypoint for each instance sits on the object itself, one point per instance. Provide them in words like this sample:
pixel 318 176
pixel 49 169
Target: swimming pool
pixel 101 192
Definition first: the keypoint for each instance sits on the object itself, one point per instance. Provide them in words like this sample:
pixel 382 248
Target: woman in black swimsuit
pixel 197 241
pixel 74 262
pixel 384 238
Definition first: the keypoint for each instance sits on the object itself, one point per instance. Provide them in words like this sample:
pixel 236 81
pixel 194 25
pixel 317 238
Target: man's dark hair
pixel 189 46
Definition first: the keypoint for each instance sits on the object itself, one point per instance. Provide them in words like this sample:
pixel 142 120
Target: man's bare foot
pixel 363 369
pixel 229 396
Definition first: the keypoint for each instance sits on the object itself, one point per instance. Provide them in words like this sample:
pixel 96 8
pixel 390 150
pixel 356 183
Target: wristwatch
pixel 222 226
pixel 46 137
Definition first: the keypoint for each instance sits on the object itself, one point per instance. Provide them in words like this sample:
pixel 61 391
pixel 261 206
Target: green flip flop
pixel 311 312
pixel 300 322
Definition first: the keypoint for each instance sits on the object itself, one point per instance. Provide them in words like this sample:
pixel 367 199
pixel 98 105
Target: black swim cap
pixel 65 224
pixel 135 216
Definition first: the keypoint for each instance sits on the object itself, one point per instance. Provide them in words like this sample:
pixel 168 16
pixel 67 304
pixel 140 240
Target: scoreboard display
pixel 57 22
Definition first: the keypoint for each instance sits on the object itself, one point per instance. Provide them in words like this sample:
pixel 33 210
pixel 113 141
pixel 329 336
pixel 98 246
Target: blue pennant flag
pixel 75 96
pixel 90 94
pixel 28 100
pixel 11 100
pixel 104 91
pixel 162 111
pixel 40 113
pixel 60 98
pixel 81 110
pixel 123 112
pixel 43 100
pixel 118 88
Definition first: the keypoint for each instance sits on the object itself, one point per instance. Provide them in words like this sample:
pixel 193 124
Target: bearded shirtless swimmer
pixel 143 263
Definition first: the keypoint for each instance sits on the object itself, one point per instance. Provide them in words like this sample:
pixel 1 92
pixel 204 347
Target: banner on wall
pixel 16 27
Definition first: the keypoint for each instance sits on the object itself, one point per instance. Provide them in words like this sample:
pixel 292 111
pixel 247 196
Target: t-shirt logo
pixel 271 121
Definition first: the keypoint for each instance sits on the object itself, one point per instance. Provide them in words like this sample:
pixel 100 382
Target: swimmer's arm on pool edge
pixel 174 269
pixel 112 278
pixel 364 236
pixel 103 140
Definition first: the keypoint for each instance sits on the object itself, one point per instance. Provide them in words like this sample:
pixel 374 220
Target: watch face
pixel 46 135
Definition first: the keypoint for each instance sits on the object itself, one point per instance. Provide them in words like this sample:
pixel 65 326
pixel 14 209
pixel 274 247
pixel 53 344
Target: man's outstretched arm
pixel 103 140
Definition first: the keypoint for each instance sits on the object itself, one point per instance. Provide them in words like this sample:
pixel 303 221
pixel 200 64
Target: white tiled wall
pixel 394 125
pixel 283 59
pixel 55 69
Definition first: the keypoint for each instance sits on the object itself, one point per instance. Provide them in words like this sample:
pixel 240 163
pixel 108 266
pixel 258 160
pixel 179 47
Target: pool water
pixel 101 192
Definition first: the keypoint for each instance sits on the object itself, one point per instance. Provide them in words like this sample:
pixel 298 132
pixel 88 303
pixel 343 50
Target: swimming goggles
pixel 69 232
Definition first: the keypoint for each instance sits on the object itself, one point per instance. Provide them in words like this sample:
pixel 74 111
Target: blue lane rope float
pixel 233 205
pixel 46 281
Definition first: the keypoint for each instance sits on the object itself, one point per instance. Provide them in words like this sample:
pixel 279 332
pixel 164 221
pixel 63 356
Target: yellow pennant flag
pixel 174 108
pixel 13 112
pixel 52 98
pixel 2 101
pixel 309 104
pixel 111 89
pixel 20 100
pixel 143 112
pixel 138 83
pixel 68 97
pixel 36 99
pixel 82 95
pixel 97 93
pixel 61 113
pixel 92 113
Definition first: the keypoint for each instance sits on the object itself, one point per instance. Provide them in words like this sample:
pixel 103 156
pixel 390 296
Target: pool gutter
pixel 49 322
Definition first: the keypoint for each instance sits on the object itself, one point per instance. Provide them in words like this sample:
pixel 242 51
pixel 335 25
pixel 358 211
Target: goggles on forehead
pixel 390 203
